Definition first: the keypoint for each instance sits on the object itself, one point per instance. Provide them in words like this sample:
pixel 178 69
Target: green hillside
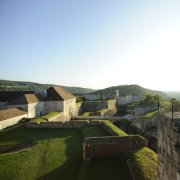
pixel 6 85
pixel 131 89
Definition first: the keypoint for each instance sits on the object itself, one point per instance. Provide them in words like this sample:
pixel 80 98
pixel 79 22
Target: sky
pixel 91 43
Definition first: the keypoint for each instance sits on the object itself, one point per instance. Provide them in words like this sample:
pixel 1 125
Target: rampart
pixel 168 147
pixel 100 107
pixel 111 145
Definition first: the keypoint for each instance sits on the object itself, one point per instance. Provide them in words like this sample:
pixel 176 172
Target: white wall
pixel 53 106
pixel 11 121
pixel 144 109
pixel 128 99
pixel 32 110
pixel 92 97
pixel 69 109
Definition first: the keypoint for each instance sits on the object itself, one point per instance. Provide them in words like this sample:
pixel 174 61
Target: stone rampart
pixel 140 110
pixel 168 148
pixel 93 106
pixel 111 145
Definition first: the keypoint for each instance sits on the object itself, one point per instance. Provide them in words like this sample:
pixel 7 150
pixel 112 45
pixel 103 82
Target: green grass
pixel 144 164
pixel 38 119
pixel 50 114
pixel 102 110
pixel 57 155
pixel 109 168
pixel 114 128
pixel 45 117
pixel 88 113
pixel 150 114
pixel 94 131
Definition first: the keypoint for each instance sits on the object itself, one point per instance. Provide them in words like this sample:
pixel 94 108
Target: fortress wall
pixel 111 145
pixel 144 109
pixel 94 106
pixel 168 149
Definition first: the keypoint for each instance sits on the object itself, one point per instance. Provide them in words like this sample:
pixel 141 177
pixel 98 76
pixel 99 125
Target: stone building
pixel 56 99
pixel 27 102
pixel 169 146
pixel 9 117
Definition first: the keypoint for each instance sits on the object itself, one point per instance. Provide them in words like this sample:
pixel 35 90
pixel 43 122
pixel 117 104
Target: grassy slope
pixel 57 155
pixel 150 115
pixel 114 128
pixel 144 164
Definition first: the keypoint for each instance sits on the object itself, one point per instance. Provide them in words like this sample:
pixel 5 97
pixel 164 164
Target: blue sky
pixel 91 43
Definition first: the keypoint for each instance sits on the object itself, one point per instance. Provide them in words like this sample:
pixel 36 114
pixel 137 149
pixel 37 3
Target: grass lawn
pixel 57 155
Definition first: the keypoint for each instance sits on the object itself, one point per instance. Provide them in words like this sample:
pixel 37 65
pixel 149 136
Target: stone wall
pixel 111 145
pixel 90 106
pixel 95 106
pixel 67 124
pixel 123 100
pixel 12 121
pixel 79 109
pixel 112 106
pixel 92 97
pixel 140 110
pixel 50 106
pixel 72 124
pixel 69 109
pixel 168 148
pixel 143 124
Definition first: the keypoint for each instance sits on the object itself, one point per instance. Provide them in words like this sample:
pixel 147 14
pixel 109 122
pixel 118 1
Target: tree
pixel 149 100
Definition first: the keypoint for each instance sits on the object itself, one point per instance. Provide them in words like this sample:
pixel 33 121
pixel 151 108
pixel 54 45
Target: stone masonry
pixel 168 147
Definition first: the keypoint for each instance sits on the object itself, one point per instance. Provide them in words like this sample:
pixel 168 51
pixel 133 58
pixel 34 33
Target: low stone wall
pixel 111 145
pixel 72 124
pixel 67 124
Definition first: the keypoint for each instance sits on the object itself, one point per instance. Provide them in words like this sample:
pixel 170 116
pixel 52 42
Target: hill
pixel 131 89
pixel 6 85
pixel 173 94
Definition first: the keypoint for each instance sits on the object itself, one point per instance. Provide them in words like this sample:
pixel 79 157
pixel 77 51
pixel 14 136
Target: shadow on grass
pixel 105 168
pixel 69 169
pixel 71 166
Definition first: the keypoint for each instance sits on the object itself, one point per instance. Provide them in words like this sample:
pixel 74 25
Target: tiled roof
pixel 10 113
pixel 58 93
pixel 25 99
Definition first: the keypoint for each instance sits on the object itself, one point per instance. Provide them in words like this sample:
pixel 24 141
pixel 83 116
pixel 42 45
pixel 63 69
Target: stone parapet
pixel 111 145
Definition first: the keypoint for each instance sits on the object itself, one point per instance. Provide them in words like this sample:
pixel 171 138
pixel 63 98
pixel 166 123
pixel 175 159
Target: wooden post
pixel 172 111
